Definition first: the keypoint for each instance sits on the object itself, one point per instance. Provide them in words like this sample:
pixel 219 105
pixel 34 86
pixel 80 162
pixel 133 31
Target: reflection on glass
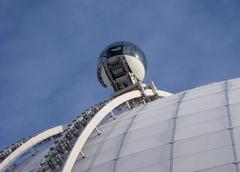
pixel 122 48
pixel 119 48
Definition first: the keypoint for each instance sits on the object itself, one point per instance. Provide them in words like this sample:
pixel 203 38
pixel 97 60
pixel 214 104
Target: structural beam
pixel 28 145
pixel 95 121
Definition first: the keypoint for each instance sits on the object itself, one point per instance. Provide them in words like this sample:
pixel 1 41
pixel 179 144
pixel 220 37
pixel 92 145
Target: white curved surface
pixel 134 64
pixel 163 93
pixel 29 144
pixel 96 120
pixel 136 67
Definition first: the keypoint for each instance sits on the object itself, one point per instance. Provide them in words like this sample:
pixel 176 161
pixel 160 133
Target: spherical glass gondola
pixel 116 49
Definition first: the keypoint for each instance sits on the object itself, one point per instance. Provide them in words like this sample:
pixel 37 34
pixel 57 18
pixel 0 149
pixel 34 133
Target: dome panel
pixel 198 123
pixel 195 130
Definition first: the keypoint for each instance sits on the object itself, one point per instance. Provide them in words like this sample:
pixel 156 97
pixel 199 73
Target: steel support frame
pixel 95 121
pixel 29 144
pixel 230 127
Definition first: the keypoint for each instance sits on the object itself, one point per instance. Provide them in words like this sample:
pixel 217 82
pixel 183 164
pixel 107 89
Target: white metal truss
pixel 94 116
pixel 81 140
pixel 29 144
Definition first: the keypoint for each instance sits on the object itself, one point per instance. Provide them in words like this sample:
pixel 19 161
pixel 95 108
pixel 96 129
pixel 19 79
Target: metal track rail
pixel 99 116
pixel 6 152
pixel 65 151
pixel 58 153
pixel 28 145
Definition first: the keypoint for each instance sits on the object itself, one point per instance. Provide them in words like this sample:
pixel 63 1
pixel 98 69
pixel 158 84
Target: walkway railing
pixel 64 153
pixel 24 147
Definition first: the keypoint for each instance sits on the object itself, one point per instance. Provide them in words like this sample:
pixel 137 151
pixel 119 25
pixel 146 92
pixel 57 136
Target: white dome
pixel 196 130
pixel 192 135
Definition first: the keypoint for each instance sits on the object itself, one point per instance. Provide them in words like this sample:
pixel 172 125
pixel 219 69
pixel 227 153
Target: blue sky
pixel 49 49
